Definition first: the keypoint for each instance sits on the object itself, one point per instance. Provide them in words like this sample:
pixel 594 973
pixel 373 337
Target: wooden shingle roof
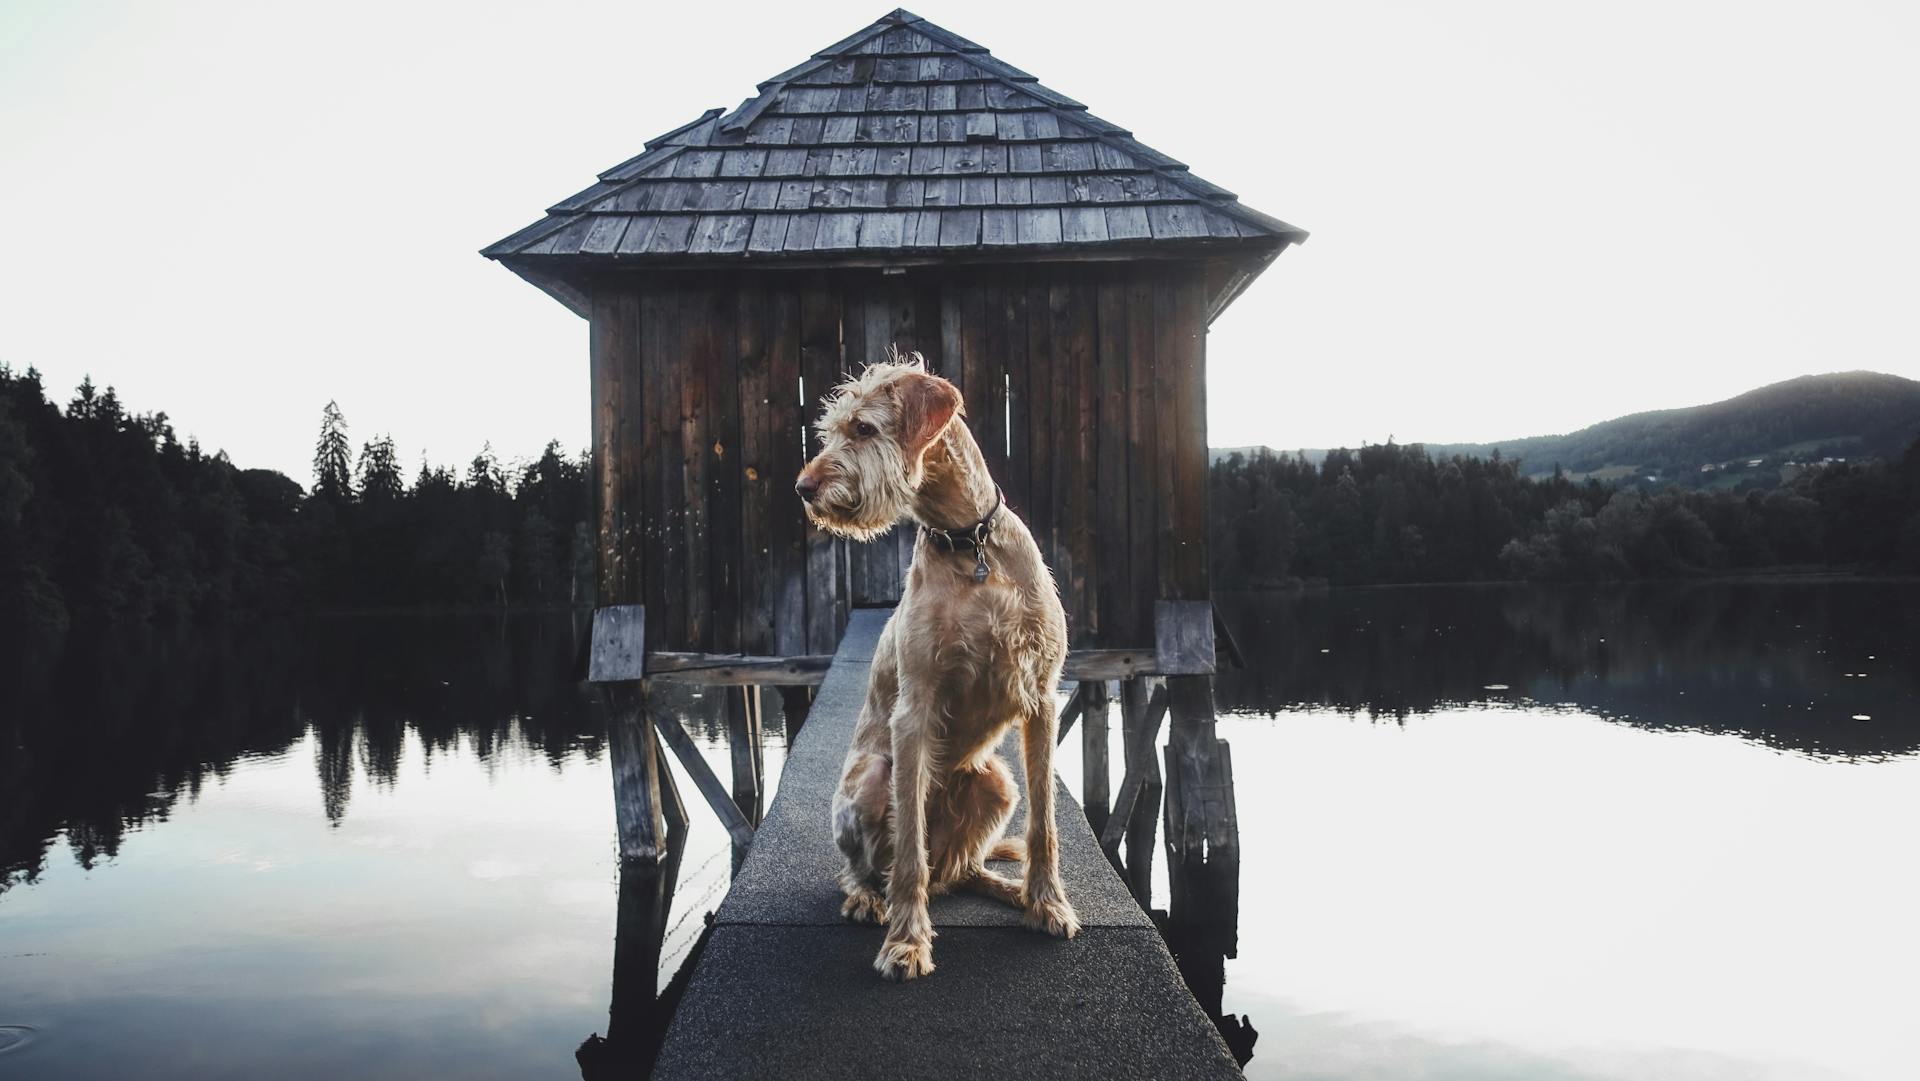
pixel 905 140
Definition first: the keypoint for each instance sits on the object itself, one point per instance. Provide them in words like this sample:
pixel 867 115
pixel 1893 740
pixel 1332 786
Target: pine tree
pixel 333 457
pixel 483 473
pixel 85 400
pixel 380 471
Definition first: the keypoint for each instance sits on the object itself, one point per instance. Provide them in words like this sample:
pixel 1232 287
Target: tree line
pixel 108 519
pixel 1393 513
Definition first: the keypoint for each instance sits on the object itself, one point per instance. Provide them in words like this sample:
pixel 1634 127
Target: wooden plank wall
pixel 1085 385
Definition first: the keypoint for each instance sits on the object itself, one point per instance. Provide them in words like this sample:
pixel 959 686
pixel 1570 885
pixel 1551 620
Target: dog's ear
pixel 927 404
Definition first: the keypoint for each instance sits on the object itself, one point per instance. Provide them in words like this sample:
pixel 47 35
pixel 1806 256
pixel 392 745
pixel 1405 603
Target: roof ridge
pixel 634 165
pixel 662 139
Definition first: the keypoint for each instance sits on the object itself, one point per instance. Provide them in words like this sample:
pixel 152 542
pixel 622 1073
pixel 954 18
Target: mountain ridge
pixel 1795 421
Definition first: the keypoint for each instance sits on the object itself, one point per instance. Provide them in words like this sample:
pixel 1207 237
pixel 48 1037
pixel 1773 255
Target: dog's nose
pixel 808 486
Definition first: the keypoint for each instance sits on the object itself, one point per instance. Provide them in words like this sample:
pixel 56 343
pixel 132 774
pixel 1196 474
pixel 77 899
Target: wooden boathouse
pixel 900 188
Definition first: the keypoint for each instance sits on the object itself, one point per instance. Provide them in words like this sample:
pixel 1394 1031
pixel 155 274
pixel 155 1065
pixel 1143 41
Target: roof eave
pixel 1236 284
pixel 546 276
pixel 1167 249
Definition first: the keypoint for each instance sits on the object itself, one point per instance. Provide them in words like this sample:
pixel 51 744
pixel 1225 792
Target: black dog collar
pixel 971 538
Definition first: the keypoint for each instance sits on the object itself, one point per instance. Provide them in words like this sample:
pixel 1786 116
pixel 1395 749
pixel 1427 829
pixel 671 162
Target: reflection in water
pixel 1789 665
pixel 1608 835
pixel 1201 924
pixel 1200 921
pixel 129 726
pixel 638 1014
pixel 370 847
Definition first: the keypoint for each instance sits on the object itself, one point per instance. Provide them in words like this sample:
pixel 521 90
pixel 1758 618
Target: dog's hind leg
pixel 1043 896
pixel 861 830
pixel 966 818
pixel 861 825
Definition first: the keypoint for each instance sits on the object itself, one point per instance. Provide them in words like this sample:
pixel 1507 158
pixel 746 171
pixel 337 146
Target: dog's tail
pixel 1008 848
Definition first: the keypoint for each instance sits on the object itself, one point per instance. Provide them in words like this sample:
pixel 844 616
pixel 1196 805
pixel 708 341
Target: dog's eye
pixel 865 430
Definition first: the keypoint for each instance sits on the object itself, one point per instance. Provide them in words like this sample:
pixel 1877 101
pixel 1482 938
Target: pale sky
pixel 1526 216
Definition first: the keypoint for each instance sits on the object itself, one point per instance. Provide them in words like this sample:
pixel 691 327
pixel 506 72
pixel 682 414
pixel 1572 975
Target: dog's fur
pixel 924 796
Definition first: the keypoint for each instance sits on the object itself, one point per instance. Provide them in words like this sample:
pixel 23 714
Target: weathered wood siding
pixel 1085 385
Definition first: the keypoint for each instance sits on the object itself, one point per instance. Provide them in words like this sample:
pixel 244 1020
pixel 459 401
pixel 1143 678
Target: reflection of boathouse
pixel 902 188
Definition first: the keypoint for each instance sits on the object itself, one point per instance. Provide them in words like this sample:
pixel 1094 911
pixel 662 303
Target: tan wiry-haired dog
pixel 975 646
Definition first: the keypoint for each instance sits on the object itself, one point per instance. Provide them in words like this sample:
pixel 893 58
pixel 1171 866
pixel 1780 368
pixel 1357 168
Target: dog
pixel 974 647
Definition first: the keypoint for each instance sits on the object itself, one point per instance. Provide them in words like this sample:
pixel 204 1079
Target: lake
pixel 1649 831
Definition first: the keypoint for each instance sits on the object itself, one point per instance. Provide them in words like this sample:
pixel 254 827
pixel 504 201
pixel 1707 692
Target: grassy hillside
pixel 1844 414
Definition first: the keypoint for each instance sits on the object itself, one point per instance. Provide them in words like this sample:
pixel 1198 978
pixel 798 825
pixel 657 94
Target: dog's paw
pixel 1055 917
pixel 904 960
pixel 865 907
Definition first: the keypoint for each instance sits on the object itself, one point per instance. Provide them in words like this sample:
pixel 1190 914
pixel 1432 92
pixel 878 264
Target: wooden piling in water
pixel 1094 773
pixel 743 745
pixel 795 703
pixel 1144 711
pixel 1141 707
pixel 1201 819
pixel 637 798
pixel 616 662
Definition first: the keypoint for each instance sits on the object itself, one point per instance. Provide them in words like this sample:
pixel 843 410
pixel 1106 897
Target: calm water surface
pixel 369 847
pixel 1657 832
pixel 1487 833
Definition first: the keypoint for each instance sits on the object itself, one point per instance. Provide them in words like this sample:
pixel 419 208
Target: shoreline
pixel 1760 576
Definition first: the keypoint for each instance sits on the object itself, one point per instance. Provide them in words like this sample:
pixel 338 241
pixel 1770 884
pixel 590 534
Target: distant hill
pixel 1842 415
pixel 1838 415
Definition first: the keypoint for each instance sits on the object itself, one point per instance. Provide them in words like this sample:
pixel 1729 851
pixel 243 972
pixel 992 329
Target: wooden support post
pixel 1141 826
pixel 743 742
pixel 1136 694
pixel 1202 821
pixel 1143 766
pixel 1203 855
pixel 1139 697
pixel 795 703
pixel 637 803
pixel 616 662
pixel 1094 774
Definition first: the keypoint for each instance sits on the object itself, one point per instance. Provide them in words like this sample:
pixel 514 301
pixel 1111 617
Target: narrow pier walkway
pixel 786 987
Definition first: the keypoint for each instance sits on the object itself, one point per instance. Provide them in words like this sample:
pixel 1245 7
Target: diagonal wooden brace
pixel 710 786
pixel 1069 713
pixel 1140 740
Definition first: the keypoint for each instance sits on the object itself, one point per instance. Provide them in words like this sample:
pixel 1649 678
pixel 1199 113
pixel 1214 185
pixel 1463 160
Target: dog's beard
pixel 862 516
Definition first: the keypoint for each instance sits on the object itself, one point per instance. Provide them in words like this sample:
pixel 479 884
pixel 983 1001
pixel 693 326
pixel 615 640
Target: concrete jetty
pixel 786 988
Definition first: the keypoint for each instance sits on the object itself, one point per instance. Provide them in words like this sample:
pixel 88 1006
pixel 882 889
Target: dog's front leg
pixel 1042 895
pixel 908 949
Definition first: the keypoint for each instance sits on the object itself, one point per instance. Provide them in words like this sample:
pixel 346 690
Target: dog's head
pixel 874 433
